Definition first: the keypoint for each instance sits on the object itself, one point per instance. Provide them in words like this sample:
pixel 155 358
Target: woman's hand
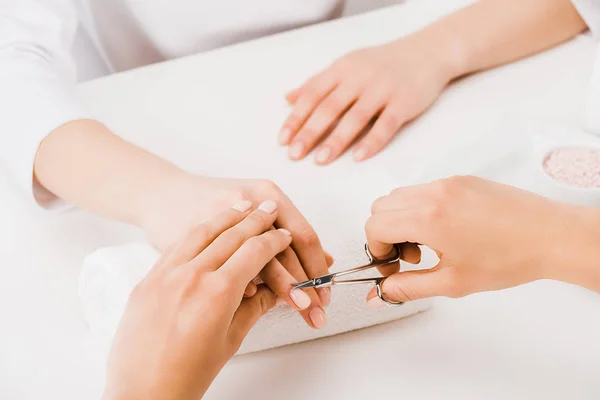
pixel 488 236
pixel 390 84
pixel 186 200
pixel 188 316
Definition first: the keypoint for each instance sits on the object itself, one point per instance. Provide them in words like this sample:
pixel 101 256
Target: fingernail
pixel 359 154
pixel 375 302
pixel 284 136
pixel 250 289
pixel 317 316
pixel 242 206
pixel 325 296
pixel 296 150
pixel 280 301
pixel 300 299
pixel 322 155
pixel 268 206
pixel 285 231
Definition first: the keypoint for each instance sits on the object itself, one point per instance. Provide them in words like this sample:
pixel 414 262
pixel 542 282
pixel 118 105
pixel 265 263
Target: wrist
pixel 573 255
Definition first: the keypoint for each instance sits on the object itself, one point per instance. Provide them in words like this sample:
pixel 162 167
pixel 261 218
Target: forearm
pixel 85 164
pixel 495 32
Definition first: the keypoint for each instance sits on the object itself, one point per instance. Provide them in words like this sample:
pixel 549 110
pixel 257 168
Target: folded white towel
pixel 337 209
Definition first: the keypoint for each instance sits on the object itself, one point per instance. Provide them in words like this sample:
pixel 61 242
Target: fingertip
pixel 360 154
pixel 329 259
pixel 250 290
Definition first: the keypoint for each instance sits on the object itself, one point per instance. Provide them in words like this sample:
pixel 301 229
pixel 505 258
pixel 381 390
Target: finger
pixel 329 259
pixel 253 256
pixel 321 119
pixel 248 313
pixel 409 252
pixel 228 242
pixel 385 128
pixel 414 285
pixel 201 236
pixel 351 125
pixel 292 97
pixel 313 92
pixel 305 243
pixel 385 229
pixel 250 289
pixel 280 280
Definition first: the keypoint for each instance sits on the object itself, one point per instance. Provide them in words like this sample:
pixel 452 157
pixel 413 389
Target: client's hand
pixel 190 199
pixel 392 84
pixel 188 316
pixel 488 236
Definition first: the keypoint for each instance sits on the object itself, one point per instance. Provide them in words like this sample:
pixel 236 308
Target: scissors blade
pixel 318 282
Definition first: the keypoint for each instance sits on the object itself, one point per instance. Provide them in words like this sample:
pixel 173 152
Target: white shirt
pixel 46 46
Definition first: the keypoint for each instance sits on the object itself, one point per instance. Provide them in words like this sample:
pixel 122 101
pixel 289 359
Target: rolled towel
pixel 337 210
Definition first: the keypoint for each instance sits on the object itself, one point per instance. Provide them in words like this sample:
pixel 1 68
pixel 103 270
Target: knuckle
pixel 390 121
pixel 333 106
pixel 264 304
pixel 433 213
pixel 219 287
pixel 259 245
pixel 200 233
pixel 268 186
pixel 402 293
pixel 377 205
pixel 308 237
pixel 358 117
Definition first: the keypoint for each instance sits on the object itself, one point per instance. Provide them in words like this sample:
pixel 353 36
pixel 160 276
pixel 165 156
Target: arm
pixel 396 82
pixel 81 162
pixel 495 32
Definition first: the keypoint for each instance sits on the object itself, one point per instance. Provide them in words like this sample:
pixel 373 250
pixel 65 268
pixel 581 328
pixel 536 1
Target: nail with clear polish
pixel 242 206
pixel 323 155
pixel 268 206
pixel 359 154
pixel 296 150
pixel 284 136
pixel 324 296
pixel 375 302
pixel 317 316
pixel 300 299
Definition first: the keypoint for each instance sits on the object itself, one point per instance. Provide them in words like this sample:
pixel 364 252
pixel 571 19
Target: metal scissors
pixel 331 279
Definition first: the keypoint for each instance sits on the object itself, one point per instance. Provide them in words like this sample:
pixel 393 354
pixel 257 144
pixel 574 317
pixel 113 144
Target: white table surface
pixel 535 341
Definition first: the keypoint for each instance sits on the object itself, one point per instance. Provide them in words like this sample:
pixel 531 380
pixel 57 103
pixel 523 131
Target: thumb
pixel 413 285
pixel 249 311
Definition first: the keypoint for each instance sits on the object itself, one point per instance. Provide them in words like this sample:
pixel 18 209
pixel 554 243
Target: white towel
pixel 336 200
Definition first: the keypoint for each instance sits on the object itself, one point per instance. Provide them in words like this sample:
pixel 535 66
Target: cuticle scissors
pixel 330 279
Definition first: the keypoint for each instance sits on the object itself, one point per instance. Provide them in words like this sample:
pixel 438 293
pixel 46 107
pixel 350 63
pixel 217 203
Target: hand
pixel 391 84
pixel 488 236
pixel 187 317
pixel 190 199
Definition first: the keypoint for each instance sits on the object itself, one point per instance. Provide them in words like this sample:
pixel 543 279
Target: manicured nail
pixel 296 150
pixel 375 302
pixel 268 206
pixel 325 296
pixel 284 136
pixel 359 154
pixel 243 206
pixel 317 316
pixel 279 301
pixel 300 299
pixel 251 290
pixel 322 155
pixel 285 231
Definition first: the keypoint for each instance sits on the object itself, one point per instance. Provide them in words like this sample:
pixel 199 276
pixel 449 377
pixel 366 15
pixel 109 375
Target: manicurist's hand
pixel 188 316
pixel 390 84
pixel 187 199
pixel 488 236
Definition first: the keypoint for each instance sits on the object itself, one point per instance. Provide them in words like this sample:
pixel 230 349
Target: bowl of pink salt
pixel 570 169
pixel 574 166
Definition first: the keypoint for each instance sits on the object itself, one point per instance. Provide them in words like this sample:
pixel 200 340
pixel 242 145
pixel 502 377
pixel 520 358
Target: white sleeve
pixel 37 78
pixel 590 12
